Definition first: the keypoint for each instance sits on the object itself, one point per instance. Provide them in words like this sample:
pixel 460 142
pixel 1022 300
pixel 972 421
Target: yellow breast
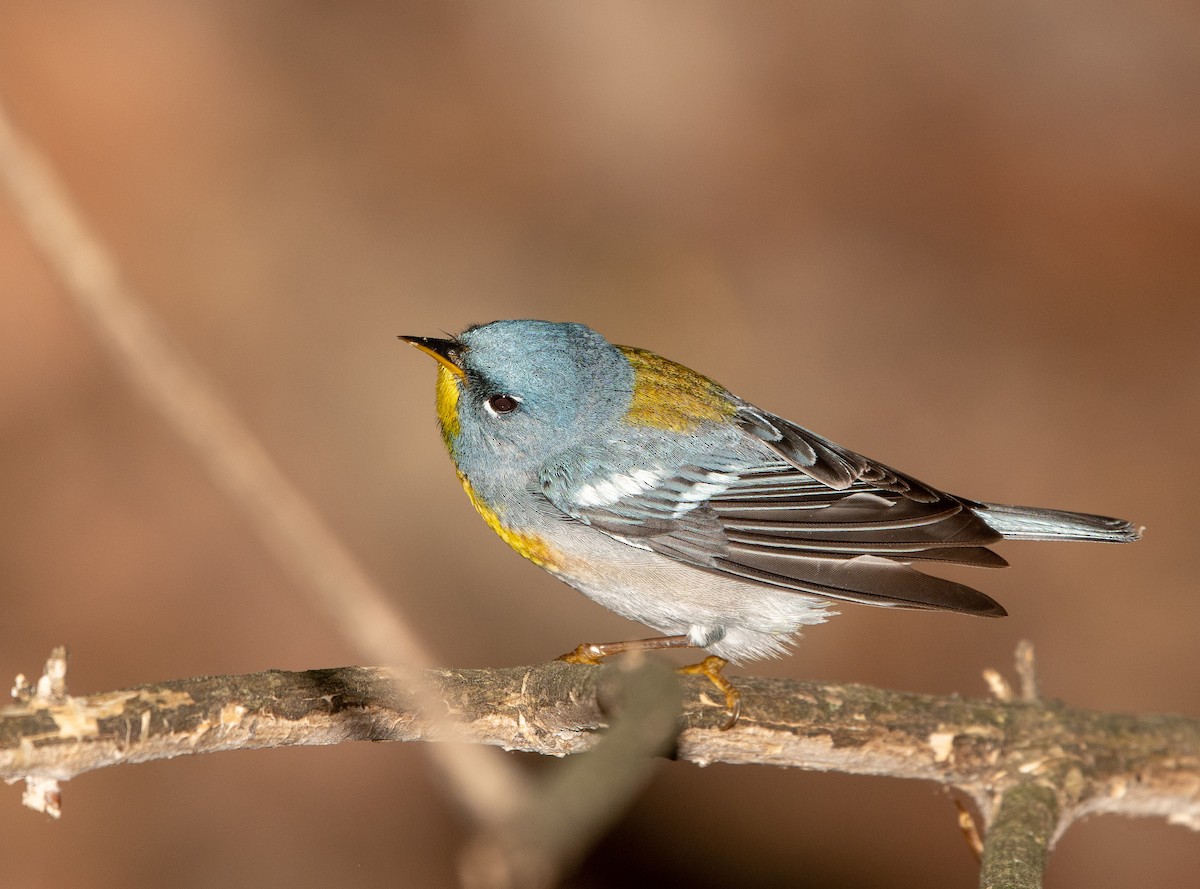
pixel 532 547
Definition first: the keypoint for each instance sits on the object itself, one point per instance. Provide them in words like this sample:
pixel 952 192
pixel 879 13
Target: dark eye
pixel 502 404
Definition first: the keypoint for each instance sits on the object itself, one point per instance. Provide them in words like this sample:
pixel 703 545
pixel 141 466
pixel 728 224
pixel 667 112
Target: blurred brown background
pixel 960 238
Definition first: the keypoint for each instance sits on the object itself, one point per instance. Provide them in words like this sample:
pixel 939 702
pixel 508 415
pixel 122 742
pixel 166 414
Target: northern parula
pixel 664 497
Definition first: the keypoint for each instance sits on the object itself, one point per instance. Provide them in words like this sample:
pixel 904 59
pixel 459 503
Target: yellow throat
pixel 530 546
pixel 447 405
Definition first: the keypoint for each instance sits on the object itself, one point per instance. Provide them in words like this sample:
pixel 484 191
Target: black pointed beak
pixel 447 352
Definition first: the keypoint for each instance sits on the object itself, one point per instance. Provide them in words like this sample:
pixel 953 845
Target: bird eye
pixel 502 404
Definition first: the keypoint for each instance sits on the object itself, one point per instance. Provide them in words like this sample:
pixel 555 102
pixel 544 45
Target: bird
pixel 662 496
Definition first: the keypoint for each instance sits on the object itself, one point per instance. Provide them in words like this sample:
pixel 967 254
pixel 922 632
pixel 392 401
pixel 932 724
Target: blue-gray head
pixel 519 391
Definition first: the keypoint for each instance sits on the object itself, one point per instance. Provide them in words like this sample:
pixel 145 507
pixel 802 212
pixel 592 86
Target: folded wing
pixel 806 515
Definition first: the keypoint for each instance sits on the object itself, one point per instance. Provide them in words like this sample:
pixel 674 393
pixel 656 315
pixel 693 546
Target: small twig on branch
pixel 1027 671
pixel 43 794
pixel 1018 842
pixel 999 686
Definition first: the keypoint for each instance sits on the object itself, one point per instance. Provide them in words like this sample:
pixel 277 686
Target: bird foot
pixel 590 653
pixel 711 668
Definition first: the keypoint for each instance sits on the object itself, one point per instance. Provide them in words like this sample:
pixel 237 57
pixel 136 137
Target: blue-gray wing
pixel 751 512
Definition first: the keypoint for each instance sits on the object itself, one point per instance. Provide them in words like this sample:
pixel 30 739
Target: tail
pixel 1032 523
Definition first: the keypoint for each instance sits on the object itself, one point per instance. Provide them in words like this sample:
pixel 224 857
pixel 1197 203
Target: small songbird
pixel 664 497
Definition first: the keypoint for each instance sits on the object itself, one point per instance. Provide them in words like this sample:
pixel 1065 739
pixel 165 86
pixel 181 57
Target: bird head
pixel 520 391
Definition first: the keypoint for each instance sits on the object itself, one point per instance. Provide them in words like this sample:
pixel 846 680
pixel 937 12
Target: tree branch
pixel 1094 761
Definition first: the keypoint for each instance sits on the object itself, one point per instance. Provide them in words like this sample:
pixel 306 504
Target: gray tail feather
pixel 1033 523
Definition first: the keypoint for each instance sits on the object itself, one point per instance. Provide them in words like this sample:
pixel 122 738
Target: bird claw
pixel 592 653
pixel 711 668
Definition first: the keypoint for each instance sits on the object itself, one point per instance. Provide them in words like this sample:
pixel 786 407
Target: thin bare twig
pixel 1018 841
pixel 998 685
pixel 1026 667
pixel 238 464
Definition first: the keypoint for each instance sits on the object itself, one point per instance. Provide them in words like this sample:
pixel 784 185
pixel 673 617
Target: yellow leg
pixel 594 652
